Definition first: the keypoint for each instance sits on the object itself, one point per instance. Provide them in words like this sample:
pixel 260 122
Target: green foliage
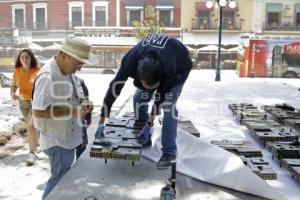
pixel 144 28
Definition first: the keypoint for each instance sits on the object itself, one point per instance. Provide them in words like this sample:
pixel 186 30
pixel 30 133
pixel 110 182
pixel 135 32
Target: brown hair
pixel 33 62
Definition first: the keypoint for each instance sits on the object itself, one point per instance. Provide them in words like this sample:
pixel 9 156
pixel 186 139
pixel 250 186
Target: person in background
pixel 87 120
pixel 26 69
pixel 159 65
pixel 58 109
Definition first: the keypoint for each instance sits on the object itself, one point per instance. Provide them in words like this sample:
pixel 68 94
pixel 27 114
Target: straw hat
pixel 78 49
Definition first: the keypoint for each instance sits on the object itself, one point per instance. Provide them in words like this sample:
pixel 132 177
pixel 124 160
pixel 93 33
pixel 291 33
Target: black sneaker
pixel 165 161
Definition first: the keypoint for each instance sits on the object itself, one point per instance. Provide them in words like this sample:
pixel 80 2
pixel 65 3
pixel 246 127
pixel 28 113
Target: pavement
pixel 18 181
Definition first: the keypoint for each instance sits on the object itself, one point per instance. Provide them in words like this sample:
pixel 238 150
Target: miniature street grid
pixel 294 123
pixel 281 150
pixel 250 155
pixel 244 112
pixel 264 132
pixel 277 129
pixel 185 124
pixel 119 141
pixel 293 166
pixel 282 112
pixel 240 148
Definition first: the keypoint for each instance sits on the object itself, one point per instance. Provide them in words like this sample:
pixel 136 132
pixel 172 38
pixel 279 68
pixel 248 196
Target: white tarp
pixel 211 164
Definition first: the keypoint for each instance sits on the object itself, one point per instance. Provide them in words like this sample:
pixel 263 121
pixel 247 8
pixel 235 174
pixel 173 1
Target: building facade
pixel 276 17
pixel 196 17
pixel 263 16
pixel 201 24
pixel 41 15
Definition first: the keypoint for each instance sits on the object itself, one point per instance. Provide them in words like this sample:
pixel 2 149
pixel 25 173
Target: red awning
pixel 292 49
pixel 200 6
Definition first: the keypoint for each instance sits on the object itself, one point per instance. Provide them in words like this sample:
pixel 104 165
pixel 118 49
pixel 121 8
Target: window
pixel 165 12
pixel 134 15
pixel 165 18
pixel 100 19
pixel 298 19
pixel 76 15
pixel 203 19
pixel 134 11
pixel 100 13
pixel 109 59
pixel 18 16
pixel 119 57
pixel 273 19
pixel 297 14
pixel 40 16
pixel 274 11
pixel 228 20
pixel 100 58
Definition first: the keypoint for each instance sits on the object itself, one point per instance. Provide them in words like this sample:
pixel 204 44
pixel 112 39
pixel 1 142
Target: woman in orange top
pixel 25 72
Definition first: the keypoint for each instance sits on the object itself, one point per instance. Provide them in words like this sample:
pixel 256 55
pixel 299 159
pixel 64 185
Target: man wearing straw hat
pixel 58 107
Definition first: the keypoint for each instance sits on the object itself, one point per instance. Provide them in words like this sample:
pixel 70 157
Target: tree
pixel 144 28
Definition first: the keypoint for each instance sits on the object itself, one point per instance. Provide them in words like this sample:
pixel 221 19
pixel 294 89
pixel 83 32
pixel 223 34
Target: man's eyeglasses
pixel 76 64
pixel 79 65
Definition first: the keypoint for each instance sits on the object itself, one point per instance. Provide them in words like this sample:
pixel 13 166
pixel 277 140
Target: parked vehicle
pixel 262 56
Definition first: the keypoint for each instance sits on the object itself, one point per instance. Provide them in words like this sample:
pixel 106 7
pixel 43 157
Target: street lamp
pixel 220 4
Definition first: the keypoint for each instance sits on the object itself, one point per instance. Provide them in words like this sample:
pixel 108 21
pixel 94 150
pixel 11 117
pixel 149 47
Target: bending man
pixel 159 65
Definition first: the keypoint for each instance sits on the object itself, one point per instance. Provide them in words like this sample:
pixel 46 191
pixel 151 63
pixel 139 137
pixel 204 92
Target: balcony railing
pixel 167 24
pixel 101 23
pixel 110 31
pixel 19 26
pixel 39 26
pixel 281 27
pixel 71 24
pixel 200 23
pixel 32 26
pixel 7 36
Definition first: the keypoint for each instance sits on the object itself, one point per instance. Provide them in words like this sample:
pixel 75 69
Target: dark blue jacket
pixel 176 66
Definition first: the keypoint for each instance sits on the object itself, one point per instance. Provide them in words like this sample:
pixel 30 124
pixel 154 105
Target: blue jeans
pixel 169 128
pixel 61 160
